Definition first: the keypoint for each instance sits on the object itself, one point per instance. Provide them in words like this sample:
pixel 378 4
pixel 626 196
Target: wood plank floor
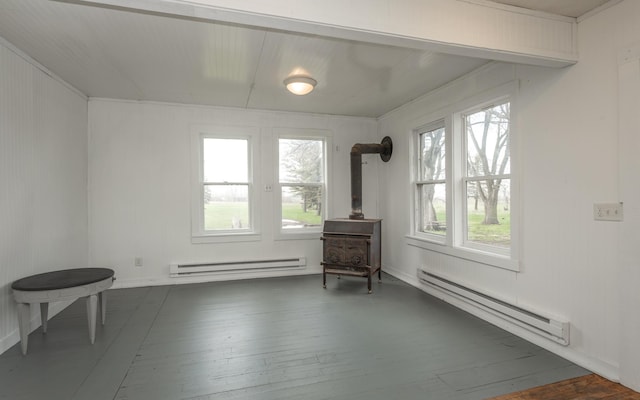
pixel 581 388
pixel 279 338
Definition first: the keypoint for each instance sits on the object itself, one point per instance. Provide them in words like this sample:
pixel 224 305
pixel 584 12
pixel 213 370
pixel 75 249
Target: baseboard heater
pixel 244 266
pixel 553 329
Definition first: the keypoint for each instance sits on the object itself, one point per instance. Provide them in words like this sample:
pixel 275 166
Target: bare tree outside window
pixel 462 181
pixel 431 181
pixel 488 174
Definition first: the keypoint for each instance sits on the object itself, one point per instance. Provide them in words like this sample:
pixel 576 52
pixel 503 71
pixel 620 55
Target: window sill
pixel 490 259
pixel 298 235
pixel 226 238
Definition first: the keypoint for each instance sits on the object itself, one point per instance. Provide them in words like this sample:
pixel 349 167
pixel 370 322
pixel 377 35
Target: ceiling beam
pixel 475 28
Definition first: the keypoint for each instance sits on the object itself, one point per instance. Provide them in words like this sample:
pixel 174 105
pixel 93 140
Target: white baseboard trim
pixel 14 337
pixel 600 367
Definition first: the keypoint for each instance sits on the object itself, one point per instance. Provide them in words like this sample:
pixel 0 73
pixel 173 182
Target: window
pixel 223 196
pixel 486 181
pixel 225 184
pixel 462 182
pixel 301 178
pixel 431 194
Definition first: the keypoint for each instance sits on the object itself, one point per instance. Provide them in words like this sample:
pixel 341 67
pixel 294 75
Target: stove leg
pixel 380 275
pixel 324 278
pixel 369 282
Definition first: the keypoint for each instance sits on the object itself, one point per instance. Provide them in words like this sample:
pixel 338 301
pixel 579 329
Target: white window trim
pixel 478 256
pixel 453 243
pixel 198 233
pixel 302 133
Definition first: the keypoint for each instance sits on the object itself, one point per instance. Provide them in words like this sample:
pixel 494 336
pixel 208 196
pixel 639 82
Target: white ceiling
pixel 107 52
pixel 568 8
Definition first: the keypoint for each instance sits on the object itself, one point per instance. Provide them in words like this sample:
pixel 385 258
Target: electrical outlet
pixel 607 211
pixel 268 188
pixel 137 261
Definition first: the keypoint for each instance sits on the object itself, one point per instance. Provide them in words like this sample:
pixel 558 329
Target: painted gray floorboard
pixel 276 339
pixel 111 369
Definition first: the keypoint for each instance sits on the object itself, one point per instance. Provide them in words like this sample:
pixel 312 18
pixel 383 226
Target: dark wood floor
pixel 281 338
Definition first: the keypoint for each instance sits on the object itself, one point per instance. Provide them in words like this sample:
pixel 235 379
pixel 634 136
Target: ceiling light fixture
pixel 300 84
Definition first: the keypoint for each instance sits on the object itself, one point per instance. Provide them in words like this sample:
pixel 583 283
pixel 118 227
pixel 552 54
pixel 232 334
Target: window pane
pixel 432 155
pixel 489 212
pixel 225 160
pixel 226 207
pixel 433 208
pixel 301 206
pixel 488 141
pixel 301 161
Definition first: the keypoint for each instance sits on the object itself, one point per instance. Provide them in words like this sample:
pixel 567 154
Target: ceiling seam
pixel 255 72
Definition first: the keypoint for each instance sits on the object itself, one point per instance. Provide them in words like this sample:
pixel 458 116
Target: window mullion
pixel 226 183
pixel 485 177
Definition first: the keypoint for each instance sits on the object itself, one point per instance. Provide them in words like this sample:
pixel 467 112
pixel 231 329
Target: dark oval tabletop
pixel 62 279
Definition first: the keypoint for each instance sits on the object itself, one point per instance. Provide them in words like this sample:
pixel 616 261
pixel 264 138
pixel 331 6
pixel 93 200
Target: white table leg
pixel 24 323
pixel 92 309
pixel 102 297
pixel 44 316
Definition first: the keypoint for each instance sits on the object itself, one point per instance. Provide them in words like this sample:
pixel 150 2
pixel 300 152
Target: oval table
pixel 63 285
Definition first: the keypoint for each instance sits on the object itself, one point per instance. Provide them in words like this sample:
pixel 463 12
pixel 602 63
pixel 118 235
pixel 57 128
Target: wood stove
pixel 353 246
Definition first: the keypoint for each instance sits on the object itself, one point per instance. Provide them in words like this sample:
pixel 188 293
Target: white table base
pixel 94 292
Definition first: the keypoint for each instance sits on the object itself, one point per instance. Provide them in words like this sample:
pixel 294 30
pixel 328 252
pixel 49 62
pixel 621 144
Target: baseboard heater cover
pixel 551 328
pixel 244 266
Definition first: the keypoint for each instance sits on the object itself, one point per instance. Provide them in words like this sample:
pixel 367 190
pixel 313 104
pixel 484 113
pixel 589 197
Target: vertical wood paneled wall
pixel 43 178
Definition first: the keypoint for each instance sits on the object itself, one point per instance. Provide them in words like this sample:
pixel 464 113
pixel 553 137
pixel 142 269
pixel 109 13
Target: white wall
pixel 629 164
pixel 43 177
pixel 567 125
pixel 139 193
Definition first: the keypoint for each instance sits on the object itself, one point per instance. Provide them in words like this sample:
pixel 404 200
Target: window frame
pixel 454 242
pixel 198 232
pixel 418 182
pixel 301 134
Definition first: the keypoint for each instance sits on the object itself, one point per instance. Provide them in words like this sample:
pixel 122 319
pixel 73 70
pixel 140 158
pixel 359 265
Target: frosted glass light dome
pixel 300 85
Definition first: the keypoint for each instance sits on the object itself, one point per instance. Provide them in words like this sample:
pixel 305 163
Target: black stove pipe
pixel 385 148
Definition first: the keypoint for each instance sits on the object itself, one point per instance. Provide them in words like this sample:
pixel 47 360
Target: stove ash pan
pixel 351 247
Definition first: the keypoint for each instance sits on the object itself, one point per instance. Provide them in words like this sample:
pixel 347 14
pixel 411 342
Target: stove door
pixel 356 252
pixel 334 250
pixel 346 251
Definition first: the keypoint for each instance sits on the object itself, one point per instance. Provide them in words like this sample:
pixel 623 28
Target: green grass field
pixel 293 211
pixel 498 235
pixel 221 215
